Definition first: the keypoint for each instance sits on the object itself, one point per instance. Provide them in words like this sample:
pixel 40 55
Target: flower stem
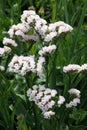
pixel 46 67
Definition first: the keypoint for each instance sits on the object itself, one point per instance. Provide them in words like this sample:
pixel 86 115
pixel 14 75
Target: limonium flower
pixel 76 100
pixel 74 68
pixel 43 98
pixel 75 92
pixel 2 51
pixel 47 50
pixel 7 49
pixel 39 69
pixel 29 20
pixel 48 114
pixel 61 100
pixel 71 68
pixel 84 67
pixel 9 42
pixel 22 64
pixel 50 36
pixel 73 103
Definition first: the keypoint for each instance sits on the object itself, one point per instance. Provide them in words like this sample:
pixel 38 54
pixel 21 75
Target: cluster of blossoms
pixel 9 42
pixel 4 50
pixel 74 68
pixel 76 100
pixel 46 50
pixel 39 68
pixel 22 64
pixel 30 20
pixel 47 32
pixel 44 99
pixel 60 101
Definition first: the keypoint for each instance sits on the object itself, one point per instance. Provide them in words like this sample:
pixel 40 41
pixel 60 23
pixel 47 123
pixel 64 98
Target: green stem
pixel 34 110
pixel 67 84
pixel 35 118
pixel 46 67
pixel 65 10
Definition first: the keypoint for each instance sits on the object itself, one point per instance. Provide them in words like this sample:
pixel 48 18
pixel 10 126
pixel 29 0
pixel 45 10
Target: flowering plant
pixel 31 48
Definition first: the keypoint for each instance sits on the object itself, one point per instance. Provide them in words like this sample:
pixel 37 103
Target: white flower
pixel 84 67
pixel 2 68
pixel 52 27
pixel 76 100
pixel 39 95
pixel 22 64
pixel 29 91
pixel 20 33
pixel 46 98
pixel 47 91
pixel 35 87
pixel 7 49
pixel 48 114
pixel 26 14
pixel 75 92
pixel 47 50
pixel 23 27
pixel 19 29
pixel 50 36
pixel 71 67
pixel 42 88
pixel 61 101
pixel 50 104
pixel 39 68
pixel 42 98
pixel 41 29
pixel 73 103
pixel 2 51
pixel 12 30
pixel 69 105
pixel 53 93
pixel 63 27
pixel 8 41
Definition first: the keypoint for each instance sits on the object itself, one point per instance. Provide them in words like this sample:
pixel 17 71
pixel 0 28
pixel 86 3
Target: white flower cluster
pixel 9 42
pixel 43 97
pixel 2 68
pixel 71 67
pixel 55 29
pixel 83 67
pixel 39 69
pixel 74 68
pixel 22 64
pixel 30 20
pixel 76 93
pixel 21 29
pixel 46 50
pixel 61 101
pixel 4 50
